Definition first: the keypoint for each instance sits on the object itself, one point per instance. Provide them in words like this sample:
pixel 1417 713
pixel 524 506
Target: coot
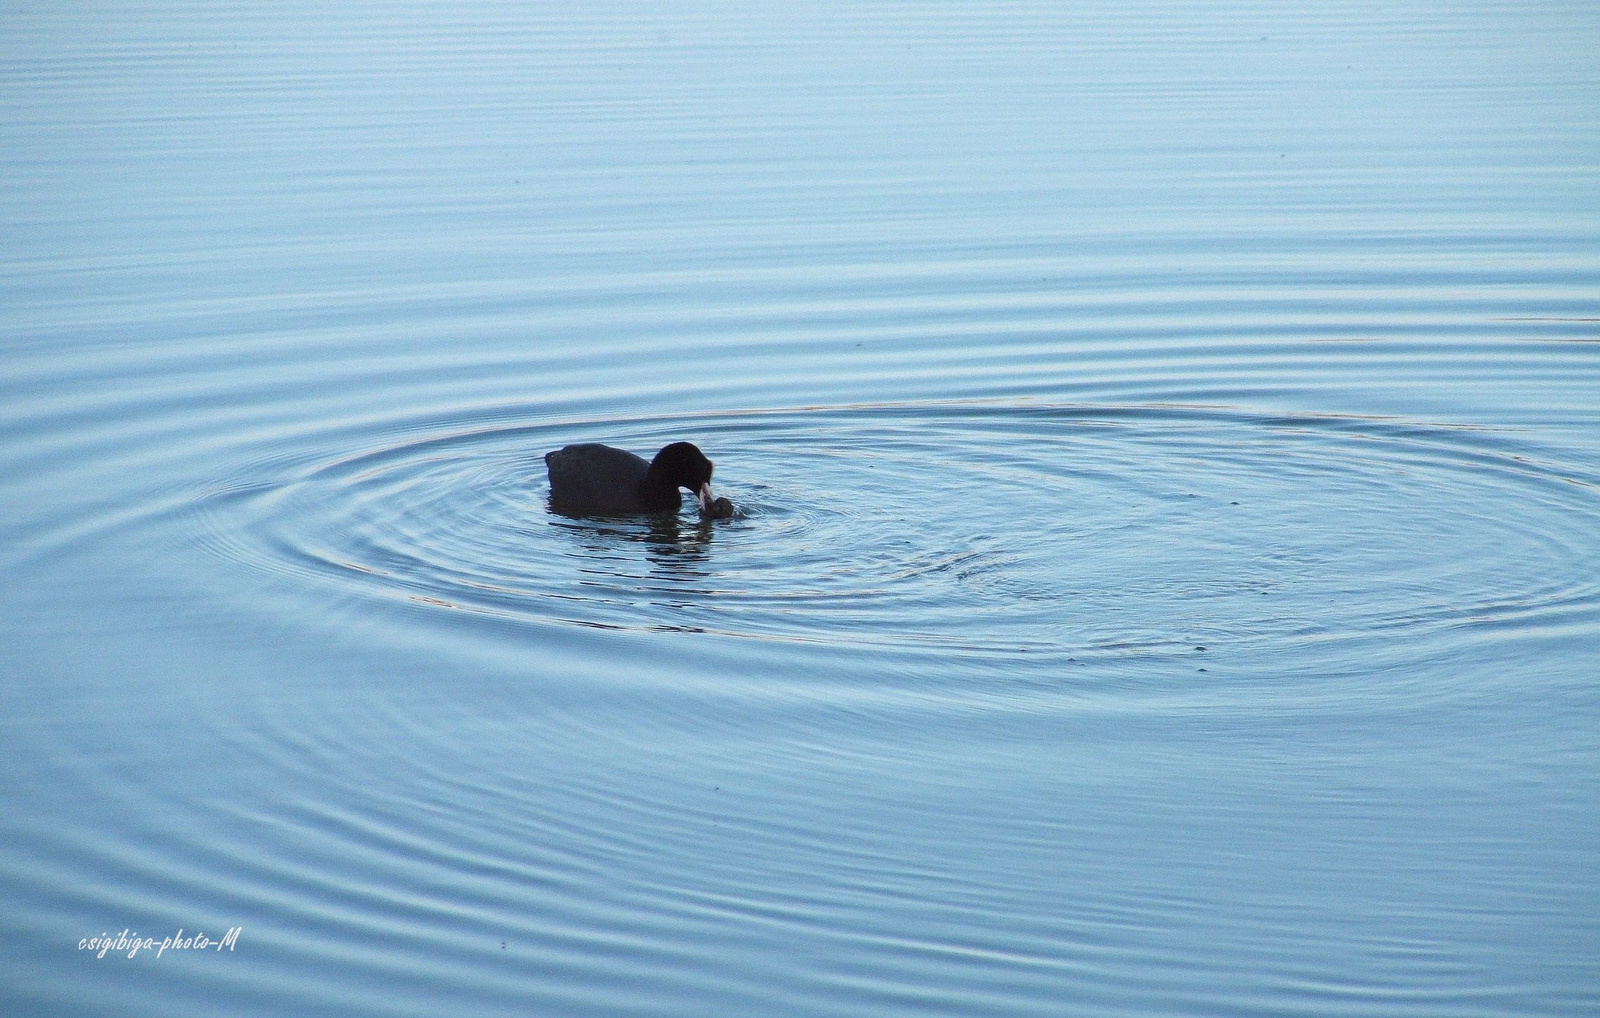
pixel 593 478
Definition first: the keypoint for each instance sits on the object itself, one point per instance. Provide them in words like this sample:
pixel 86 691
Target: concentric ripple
pixel 998 532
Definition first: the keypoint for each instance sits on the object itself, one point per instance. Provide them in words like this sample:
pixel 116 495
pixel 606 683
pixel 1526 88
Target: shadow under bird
pixel 594 478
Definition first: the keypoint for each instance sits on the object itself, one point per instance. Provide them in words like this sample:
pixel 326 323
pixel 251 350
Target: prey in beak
pixel 703 496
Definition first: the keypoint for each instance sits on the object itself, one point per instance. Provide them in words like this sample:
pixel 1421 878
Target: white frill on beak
pixel 703 496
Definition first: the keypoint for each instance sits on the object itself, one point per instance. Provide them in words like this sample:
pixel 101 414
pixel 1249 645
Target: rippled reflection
pixel 1061 533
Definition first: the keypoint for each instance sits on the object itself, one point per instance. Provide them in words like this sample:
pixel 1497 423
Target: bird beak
pixel 703 496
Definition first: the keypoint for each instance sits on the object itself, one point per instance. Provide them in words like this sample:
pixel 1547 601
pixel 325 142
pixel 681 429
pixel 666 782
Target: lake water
pixel 1166 441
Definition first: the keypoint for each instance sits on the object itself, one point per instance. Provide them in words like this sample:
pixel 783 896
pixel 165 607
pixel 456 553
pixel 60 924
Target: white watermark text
pixel 130 943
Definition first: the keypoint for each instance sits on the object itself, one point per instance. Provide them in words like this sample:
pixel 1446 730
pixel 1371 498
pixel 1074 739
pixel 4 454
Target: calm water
pixel 1167 449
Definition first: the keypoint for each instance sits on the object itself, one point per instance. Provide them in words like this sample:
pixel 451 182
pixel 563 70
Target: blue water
pixel 1166 444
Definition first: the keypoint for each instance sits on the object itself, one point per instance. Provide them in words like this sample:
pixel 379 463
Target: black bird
pixel 593 478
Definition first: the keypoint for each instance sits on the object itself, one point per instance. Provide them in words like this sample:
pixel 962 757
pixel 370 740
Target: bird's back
pixel 595 478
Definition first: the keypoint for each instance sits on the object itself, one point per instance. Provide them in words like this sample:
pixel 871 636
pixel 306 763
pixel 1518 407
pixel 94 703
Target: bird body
pixel 594 478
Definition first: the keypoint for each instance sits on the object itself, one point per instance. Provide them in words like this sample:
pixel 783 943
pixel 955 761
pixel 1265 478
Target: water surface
pixel 1167 452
